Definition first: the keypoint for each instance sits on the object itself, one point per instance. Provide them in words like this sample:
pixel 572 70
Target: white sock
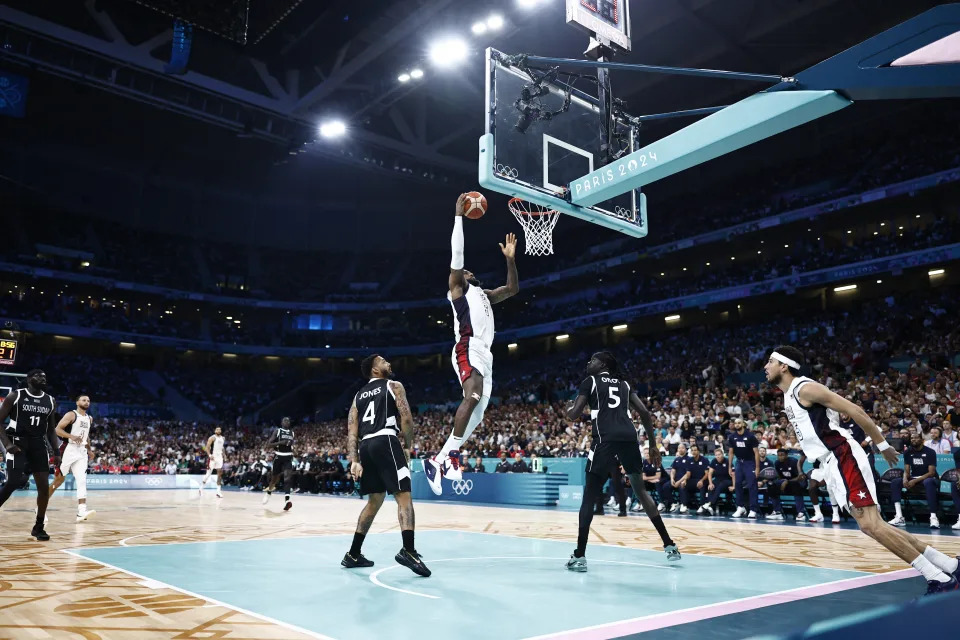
pixel 82 508
pixel 816 510
pixel 205 478
pixel 940 560
pixel 929 570
pixel 453 442
pixel 899 509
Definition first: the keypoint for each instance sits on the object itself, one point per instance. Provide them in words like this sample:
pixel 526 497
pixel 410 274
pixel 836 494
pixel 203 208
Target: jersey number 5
pixel 368 414
pixel 614 397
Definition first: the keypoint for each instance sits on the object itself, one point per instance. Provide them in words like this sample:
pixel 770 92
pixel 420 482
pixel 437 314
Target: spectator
pixel 503 466
pixel 938 443
pixel 916 459
pixel 520 466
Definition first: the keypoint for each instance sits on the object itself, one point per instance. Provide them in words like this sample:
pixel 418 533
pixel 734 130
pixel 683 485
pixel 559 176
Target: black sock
pixel 357 543
pixel 408 539
pixel 286 498
pixel 662 530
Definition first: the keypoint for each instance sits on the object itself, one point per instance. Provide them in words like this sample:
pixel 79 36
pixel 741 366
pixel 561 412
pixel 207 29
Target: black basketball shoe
pixel 413 561
pixel 355 563
pixel 39 533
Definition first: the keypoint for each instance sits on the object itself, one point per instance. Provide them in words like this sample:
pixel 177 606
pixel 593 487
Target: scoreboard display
pixel 8 351
pixel 607 20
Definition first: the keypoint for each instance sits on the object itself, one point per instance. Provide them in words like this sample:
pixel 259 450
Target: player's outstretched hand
pixel 460 208
pixel 891 456
pixel 510 248
pixel 356 469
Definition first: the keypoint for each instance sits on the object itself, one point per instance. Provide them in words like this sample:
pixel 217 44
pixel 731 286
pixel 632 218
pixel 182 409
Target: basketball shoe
pixel 673 552
pixel 412 561
pixel 451 466
pixel 83 514
pixel 432 469
pixel 577 564
pixel 935 586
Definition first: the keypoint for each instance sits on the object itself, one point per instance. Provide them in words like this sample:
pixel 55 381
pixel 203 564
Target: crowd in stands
pixel 434 324
pixel 917 146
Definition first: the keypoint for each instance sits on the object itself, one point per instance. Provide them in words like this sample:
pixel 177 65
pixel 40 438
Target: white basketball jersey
pixel 80 427
pixel 217 446
pixel 817 427
pixel 473 316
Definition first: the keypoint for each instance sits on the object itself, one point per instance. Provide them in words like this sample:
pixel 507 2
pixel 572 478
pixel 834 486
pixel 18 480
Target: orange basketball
pixel 474 205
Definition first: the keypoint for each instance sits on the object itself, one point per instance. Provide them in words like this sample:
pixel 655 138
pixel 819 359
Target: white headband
pixel 785 360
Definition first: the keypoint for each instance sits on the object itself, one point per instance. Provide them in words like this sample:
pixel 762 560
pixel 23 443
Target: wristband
pixel 883 446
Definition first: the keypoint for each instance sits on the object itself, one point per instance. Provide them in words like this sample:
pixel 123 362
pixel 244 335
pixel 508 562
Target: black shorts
pixel 604 457
pixel 32 458
pixel 282 464
pixel 384 466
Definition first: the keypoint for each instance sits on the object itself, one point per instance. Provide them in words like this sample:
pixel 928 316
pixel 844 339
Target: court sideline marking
pixel 258 616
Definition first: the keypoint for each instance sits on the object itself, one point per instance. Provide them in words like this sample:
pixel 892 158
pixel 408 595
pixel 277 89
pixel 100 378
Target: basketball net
pixel 538 223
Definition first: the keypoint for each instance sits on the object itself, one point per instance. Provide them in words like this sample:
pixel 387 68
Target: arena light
pixel 562 337
pixel 879 281
pixel 936 272
pixel 448 51
pixel 127 345
pixel 229 355
pixel 333 129
pixel 479 28
pixel 512 345
pixel 846 287
pixel 403 77
pixel 620 327
pixel 528 4
pixel 495 22
pixel 416 74
pixel 672 318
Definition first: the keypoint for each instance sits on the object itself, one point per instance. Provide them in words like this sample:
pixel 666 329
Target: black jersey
pixel 31 414
pixel 609 401
pixel 284 438
pixel 377 409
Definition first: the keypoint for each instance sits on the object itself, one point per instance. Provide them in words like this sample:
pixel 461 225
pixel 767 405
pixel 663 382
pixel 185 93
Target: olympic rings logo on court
pixel 462 487
pixel 153 482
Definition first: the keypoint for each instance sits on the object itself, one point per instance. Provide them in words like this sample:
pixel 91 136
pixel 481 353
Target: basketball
pixel 475 205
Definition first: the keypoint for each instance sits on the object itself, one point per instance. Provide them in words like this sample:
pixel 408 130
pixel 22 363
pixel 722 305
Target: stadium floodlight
pixel 528 4
pixel 127 345
pixel 512 345
pixel 416 74
pixel 562 337
pixel 672 318
pixel 936 272
pixel 495 22
pixel 479 28
pixel 620 327
pixel 403 77
pixel 333 129
pixel 846 287
pixel 448 51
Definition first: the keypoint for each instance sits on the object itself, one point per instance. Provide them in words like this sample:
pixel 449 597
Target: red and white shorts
pixel 849 477
pixel 471 355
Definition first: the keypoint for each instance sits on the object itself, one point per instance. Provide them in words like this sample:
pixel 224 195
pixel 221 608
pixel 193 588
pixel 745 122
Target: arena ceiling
pixel 289 65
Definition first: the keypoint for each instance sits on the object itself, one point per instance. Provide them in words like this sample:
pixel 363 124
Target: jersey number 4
pixel 368 414
pixel 614 397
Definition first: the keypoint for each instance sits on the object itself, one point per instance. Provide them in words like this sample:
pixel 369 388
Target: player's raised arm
pixel 406 416
pixel 5 410
pixel 811 393
pixel 509 249
pixel 457 282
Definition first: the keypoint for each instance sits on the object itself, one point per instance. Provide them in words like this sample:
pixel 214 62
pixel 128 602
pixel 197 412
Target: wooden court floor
pixel 47 593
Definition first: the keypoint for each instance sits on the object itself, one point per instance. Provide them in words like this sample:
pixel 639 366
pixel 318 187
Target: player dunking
pixel 472 359
pixel 282 441
pixel 74 428
pixel 815 412
pixel 380 462
pixel 216 460
pixel 33 421
pixel 609 398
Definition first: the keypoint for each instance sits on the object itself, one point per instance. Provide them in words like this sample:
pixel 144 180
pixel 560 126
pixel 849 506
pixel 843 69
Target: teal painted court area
pixel 486 585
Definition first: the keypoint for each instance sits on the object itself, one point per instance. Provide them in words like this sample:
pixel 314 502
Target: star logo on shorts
pixel 861 495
